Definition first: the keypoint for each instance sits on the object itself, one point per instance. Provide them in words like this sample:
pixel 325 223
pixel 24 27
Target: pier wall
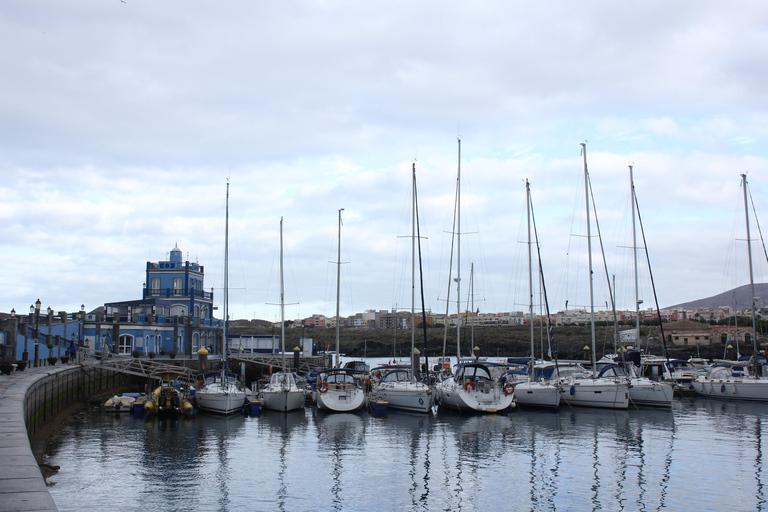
pixel 28 400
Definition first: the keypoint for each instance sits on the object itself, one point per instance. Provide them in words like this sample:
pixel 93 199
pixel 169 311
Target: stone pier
pixel 28 400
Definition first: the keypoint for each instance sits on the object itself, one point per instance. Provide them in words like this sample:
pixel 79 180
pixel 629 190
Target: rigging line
pixel 421 277
pixel 653 284
pixel 450 267
pixel 760 231
pixel 550 329
pixel 602 249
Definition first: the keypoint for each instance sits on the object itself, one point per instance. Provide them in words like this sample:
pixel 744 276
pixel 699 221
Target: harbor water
pixel 700 455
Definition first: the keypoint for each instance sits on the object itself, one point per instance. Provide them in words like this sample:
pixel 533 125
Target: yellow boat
pixel 168 399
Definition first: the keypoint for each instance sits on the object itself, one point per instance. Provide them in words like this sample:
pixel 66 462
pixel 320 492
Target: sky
pixel 121 123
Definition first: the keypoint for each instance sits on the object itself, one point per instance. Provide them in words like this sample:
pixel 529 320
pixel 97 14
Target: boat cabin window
pixel 397 376
pixel 340 378
pixel 613 371
pixel 472 372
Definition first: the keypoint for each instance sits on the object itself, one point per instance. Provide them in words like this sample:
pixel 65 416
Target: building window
pixel 178 286
pixel 125 344
pixel 155 285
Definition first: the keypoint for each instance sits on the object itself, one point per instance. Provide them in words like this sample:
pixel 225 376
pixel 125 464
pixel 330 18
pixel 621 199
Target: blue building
pixel 175 313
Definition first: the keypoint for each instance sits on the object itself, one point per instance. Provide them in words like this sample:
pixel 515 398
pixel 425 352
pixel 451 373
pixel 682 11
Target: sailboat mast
pixel 634 255
pixel 589 251
pixel 282 297
pixel 226 287
pixel 472 302
pixel 338 291
pixel 458 258
pixel 751 276
pixel 530 274
pixel 413 261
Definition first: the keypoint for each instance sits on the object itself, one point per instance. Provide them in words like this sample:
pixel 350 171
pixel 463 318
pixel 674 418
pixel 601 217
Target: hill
pixel 740 297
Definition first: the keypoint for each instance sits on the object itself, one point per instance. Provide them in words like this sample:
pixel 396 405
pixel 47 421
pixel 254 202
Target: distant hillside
pixel 741 298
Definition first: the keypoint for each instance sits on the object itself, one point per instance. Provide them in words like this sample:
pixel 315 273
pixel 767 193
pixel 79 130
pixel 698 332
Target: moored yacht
pixel 399 388
pixel 477 387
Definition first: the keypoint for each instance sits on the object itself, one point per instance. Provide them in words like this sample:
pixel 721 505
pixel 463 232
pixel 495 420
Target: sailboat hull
pixel 647 392
pixel 340 400
pixel 602 393
pixel 481 399
pixel 414 397
pixel 282 400
pixel 220 398
pixel 537 394
pixel 732 389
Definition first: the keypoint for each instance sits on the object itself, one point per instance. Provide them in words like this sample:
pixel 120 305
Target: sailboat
pixel 722 381
pixel 642 390
pixel 531 392
pixel 398 385
pixel 610 392
pixel 282 393
pixel 476 386
pixel 339 389
pixel 222 393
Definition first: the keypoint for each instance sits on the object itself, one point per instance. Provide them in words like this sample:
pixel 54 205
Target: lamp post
pixel 81 334
pixel 36 310
pixel 49 336
pixel 15 332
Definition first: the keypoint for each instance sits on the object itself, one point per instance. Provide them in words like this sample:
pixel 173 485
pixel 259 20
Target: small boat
pixel 223 395
pixel 580 389
pixel 282 393
pixel 168 399
pixel 642 390
pixel 399 388
pixel 725 381
pixel 477 387
pixel 123 403
pixel 340 390
pixel 220 393
pixel 530 392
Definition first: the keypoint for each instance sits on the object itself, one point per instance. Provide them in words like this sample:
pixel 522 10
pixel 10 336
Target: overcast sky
pixel 121 122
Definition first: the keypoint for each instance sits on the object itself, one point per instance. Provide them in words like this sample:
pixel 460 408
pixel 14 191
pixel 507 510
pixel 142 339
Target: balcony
pixel 170 293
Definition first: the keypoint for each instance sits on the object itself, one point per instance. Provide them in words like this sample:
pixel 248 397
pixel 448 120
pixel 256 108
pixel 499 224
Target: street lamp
pixel 36 310
pixel 15 332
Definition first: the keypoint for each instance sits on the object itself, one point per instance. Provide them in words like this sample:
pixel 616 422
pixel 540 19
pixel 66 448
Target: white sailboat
pixel 642 390
pixel 475 386
pixel 222 394
pixel 398 385
pixel 580 389
pixel 722 382
pixel 339 389
pixel 282 393
pixel 531 392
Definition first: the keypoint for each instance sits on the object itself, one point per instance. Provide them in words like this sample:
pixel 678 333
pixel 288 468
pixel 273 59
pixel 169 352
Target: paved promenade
pixel 22 487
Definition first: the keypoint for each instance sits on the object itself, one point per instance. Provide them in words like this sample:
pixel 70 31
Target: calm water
pixel 701 455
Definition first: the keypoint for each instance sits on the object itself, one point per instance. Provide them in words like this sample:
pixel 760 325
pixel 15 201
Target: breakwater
pixel 28 401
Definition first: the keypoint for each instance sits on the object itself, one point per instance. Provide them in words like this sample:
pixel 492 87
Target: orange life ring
pixel 468 385
pixel 322 387
pixel 509 388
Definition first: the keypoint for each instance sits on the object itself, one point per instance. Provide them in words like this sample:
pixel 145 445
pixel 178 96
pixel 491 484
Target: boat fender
pixel 469 386
pixel 573 389
pixel 722 388
pixel 322 387
pixel 509 388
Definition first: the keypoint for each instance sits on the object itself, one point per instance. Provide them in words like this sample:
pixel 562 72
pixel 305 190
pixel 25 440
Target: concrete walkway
pixel 22 487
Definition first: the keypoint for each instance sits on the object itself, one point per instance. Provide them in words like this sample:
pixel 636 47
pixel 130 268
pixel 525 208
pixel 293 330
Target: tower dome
pixel 176 254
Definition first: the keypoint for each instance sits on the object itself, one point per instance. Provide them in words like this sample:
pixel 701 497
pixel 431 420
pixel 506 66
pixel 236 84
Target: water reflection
pixel 580 459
